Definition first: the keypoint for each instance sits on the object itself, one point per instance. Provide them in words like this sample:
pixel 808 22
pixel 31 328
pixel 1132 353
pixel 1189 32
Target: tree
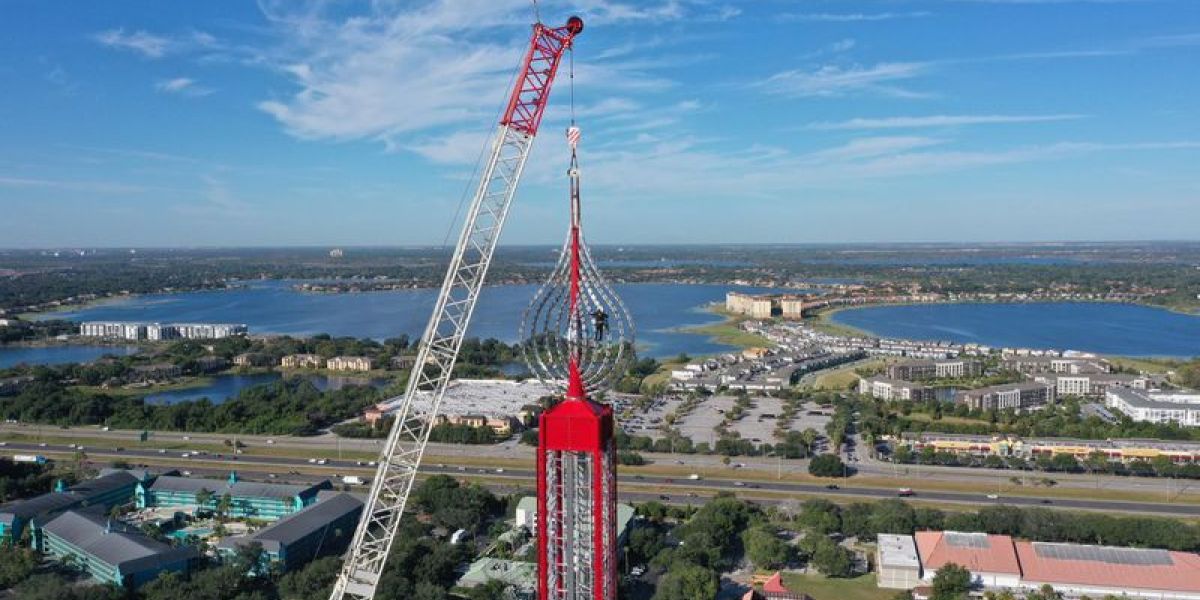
pixel 224 505
pixel 831 559
pixel 203 497
pixel 827 465
pixel 16 565
pixel 687 582
pixel 313 582
pixel 951 582
pixel 765 549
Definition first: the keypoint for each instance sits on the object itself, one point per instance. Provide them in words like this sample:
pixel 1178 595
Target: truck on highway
pixel 354 480
pixel 29 458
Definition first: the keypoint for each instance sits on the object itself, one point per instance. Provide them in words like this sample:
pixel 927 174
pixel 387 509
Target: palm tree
pixel 224 505
pixel 203 497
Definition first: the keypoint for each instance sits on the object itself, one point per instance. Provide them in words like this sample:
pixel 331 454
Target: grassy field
pixel 728 332
pixel 946 419
pixel 823 321
pixel 1148 365
pixel 823 588
pixel 842 377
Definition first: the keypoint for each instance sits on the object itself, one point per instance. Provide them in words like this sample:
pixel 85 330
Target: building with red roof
pixel 991 559
pixel 1099 571
pixel 997 561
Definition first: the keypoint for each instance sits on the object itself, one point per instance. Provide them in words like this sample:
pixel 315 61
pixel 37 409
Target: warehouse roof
pixel 104 484
pixel 979 552
pixel 1104 566
pixel 38 505
pixel 237 488
pixel 114 543
pixel 296 526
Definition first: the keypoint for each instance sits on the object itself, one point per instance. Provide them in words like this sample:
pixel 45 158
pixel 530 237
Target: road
pixel 330 446
pixel 638 486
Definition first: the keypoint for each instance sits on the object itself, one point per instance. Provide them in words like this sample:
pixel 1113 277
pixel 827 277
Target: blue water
pixel 58 355
pixel 659 310
pixel 1124 329
pixel 225 387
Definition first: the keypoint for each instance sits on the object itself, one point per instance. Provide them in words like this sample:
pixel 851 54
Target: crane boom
pixel 414 412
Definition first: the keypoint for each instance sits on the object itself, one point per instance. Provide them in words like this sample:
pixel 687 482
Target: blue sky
pixel 172 123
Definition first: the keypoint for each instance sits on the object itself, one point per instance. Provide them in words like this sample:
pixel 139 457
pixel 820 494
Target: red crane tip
pixel 575 25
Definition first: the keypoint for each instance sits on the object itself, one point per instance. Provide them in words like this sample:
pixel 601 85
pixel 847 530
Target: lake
pixel 1104 328
pixel 58 355
pixel 659 311
pixel 225 387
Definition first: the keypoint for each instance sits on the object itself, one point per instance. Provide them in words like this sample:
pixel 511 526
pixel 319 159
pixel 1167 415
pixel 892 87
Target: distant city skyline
pixel 283 123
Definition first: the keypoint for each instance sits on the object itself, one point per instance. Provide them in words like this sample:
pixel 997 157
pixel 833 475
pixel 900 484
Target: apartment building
pixel 765 306
pixel 1155 406
pixel 160 331
pixel 1018 396
pixel 301 361
pixel 349 363
pixel 915 370
pixel 885 388
pixel 1091 385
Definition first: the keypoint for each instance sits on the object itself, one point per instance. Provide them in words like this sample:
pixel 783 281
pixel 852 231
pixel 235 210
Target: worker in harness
pixel 599 323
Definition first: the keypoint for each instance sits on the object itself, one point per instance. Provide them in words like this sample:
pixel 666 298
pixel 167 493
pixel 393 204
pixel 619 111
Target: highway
pixel 639 487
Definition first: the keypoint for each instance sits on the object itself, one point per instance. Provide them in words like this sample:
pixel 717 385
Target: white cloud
pixel 832 80
pixel 938 121
pixel 401 70
pixel 182 85
pixel 141 42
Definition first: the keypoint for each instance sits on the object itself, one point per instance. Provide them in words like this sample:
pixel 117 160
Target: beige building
pixel 502 425
pixel 765 306
pixel 349 363
pixel 300 361
pixel 897 561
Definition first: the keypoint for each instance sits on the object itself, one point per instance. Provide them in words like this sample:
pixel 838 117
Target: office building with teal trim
pixel 267 501
pixel 112 488
pixel 322 529
pixel 112 552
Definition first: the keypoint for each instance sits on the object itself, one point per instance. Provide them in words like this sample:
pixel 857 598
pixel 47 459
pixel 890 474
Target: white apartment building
pixel 160 331
pixel 113 330
pixel 1155 407
pixel 1091 385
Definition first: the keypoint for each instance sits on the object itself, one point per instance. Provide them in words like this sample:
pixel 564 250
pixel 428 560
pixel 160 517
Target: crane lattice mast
pixel 415 411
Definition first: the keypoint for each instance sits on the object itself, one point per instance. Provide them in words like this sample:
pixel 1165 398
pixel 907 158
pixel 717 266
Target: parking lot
pixel 758 424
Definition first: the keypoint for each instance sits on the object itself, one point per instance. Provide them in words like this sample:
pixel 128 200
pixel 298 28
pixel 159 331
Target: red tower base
pixel 577 492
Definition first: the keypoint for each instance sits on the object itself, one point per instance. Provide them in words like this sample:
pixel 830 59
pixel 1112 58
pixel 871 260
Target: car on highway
pixel 321 461
pixel 312 461
pixel 499 470
pixel 664 497
pixel 162 450
pixel 993 496
pixel 905 492
pixel 462 468
pixel 739 484
pixel 694 477
pixel 185 455
pixel 832 486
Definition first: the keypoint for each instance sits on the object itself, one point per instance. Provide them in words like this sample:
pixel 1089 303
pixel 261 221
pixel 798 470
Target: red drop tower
pixel 579 337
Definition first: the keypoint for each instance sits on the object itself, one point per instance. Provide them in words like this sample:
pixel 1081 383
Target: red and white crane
pixel 414 412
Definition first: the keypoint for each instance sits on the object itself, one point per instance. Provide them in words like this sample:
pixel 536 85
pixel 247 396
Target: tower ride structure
pixel 414 413
pixel 579 338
